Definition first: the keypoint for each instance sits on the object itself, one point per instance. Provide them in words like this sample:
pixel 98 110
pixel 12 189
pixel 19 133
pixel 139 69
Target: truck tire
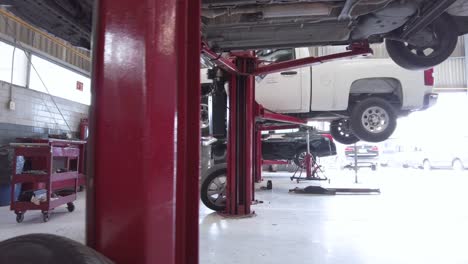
pixel 213 189
pixel 424 56
pixel 373 119
pixel 341 131
pixel 47 248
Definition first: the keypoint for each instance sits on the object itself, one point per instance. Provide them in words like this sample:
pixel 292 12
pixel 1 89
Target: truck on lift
pixel 362 98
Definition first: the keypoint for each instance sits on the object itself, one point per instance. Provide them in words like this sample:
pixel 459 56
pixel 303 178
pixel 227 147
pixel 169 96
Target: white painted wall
pixel 36 109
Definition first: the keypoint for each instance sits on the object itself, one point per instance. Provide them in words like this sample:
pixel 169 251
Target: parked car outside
pixel 439 156
pixel 367 156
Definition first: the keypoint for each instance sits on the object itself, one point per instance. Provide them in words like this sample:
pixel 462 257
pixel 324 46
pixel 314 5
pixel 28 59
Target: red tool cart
pixel 49 177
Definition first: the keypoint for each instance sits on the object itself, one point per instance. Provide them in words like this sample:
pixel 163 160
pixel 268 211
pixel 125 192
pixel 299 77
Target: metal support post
pixel 240 139
pixel 258 154
pixel 465 40
pixel 356 168
pixel 142 204
pixel 308 157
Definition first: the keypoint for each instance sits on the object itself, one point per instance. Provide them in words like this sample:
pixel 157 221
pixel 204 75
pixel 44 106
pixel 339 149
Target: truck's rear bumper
pixel 430 100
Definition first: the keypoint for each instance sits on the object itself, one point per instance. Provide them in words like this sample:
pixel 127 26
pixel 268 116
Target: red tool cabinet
pixel 51 166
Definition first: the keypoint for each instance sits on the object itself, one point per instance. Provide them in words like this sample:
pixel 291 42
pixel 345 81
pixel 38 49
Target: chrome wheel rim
pixel 375 119
pixel 217 190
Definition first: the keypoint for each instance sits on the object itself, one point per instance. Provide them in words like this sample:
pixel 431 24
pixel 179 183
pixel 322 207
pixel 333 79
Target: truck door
pixel 283 91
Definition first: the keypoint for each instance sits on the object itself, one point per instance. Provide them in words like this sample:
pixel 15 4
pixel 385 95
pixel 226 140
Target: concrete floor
pixel 419 218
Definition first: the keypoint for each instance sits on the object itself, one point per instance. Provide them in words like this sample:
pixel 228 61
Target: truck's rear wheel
pixel 427 48
pixel 373 120
pixel 341 132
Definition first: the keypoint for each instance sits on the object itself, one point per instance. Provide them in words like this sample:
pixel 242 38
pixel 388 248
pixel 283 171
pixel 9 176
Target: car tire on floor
pixel 47 248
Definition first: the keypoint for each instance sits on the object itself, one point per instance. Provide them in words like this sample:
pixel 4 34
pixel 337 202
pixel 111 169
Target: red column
pixel 240 139
pixel 144 134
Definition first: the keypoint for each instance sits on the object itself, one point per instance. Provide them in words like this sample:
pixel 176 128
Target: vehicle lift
pixel 244 162
pixel 143 173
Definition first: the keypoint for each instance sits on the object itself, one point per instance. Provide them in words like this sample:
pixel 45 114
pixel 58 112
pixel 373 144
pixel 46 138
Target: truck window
pixel 276 55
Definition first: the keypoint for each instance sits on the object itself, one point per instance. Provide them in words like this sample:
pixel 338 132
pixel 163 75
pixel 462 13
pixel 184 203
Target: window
pixel 59 81
pixel 19 67
pixel 277 55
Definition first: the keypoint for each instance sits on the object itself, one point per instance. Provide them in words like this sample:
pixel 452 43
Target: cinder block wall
pixel 36 115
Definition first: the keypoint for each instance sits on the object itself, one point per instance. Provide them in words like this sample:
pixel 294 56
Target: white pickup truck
pixel 361 97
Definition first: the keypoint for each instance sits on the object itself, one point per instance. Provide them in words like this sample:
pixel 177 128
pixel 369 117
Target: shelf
pixel 62 176
pixel 36 151
pixel 25 206
pixel 71 152
pixel 34 178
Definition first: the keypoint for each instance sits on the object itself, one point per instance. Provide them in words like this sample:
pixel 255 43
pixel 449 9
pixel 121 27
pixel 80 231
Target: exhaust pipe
pixel 274 11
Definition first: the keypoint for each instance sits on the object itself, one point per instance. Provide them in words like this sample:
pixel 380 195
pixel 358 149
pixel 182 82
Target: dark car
pixel 292 147
pixel 418 33
pixel 367 156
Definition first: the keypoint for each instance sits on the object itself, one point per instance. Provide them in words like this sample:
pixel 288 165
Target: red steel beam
pixel 240 140
pixel 188 133
pixel 143 140
pixel 218 60
pixel 275 162
pixel 264 114
pixel 282 118
pixel 356 49
pixel 232 165
pixel 277 127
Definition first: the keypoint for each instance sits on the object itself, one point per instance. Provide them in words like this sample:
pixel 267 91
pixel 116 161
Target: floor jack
pixel 313 170
pixel 312 167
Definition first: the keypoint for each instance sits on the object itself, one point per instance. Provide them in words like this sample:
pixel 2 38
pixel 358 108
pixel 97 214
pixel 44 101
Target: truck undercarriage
pixel 419 33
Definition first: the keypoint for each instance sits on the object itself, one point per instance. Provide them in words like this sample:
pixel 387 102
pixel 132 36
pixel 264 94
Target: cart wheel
pixel 70 207
pixel 45 216
pixel 269 185
pixel 19 217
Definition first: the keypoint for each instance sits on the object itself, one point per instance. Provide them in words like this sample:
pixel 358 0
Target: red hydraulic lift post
pixel 143 176
pixel 240 137
pixel 244 157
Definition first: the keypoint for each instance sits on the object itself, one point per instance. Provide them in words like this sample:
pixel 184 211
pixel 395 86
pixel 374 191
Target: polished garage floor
pixel 419 218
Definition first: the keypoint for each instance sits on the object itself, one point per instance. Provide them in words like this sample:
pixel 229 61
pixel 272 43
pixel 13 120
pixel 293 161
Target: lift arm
pixel 354 50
